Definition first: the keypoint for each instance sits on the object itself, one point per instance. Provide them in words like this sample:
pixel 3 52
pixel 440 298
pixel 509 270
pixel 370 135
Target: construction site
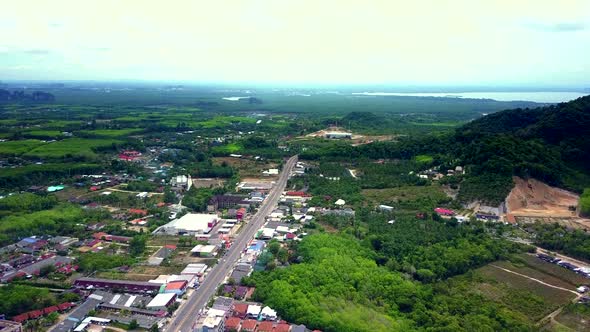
pixel 531 200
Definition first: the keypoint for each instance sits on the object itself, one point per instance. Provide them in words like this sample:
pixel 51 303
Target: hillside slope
pixel 551 144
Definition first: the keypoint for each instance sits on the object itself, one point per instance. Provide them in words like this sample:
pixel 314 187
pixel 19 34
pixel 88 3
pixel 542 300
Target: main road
pixel 186 315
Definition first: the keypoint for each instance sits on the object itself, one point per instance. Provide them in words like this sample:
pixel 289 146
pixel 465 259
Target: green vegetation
pixel 339 287
pixel 585 203
pixel 72 147
pixel 90 262
pixel 17 299
pixel 11 148
pixel 60 220
pixel 575 243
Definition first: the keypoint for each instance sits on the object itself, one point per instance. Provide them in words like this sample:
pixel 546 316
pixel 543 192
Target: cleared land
pixel 534 198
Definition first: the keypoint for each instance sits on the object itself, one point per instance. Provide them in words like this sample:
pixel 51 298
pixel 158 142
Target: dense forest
pixel 340 286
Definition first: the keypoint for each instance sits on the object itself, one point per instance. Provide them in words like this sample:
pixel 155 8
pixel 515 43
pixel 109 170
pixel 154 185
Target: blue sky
pixel 386 42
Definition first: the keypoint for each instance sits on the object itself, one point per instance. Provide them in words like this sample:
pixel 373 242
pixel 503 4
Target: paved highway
pixel 186 315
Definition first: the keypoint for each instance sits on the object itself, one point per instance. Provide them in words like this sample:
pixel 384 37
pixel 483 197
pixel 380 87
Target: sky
pixel 414 42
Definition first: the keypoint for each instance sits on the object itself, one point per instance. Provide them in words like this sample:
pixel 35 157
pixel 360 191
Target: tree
pixel 137 245
pixel 133 325
pixel 154 328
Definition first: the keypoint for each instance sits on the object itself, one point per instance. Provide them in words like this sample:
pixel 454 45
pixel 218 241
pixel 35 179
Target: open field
pixel 110 133
pixel 72 146
pixel 208 183
pixel 406 193
pixel 575 317
pixel 531 298
pixel 18 147
pixel 247 168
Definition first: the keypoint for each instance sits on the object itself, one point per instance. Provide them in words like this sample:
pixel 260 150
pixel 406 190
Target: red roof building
pixel 240 309
pixel 35 314
pixel 282 328
pixel 265 327
pixel 249 325
pixel 65 306
pixel 444 212
pixel 100 236
pixel 138 211
pixel 233 324
pixel 179 285
pixel 170 246
pixel 51 309
pixel 298 194
pixel 21 318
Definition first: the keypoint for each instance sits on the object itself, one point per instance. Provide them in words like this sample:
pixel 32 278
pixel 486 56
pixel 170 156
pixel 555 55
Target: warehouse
pixel 192 223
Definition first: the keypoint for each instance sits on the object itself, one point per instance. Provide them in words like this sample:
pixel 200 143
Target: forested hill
pixel 550 143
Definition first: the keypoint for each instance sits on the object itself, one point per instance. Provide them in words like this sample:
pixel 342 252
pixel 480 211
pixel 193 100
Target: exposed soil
pixel 534 198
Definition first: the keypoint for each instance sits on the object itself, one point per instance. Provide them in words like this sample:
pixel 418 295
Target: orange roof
pixel 100 235
pixel 178 284
pixel 282 328
pixel 241 308
pixel 249 324
pixel 232 323
pixel 265 327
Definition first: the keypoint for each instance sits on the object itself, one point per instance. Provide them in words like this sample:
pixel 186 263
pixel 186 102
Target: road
pixel 185 316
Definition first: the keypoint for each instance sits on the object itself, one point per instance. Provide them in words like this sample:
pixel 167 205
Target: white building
pixel 197 269
pixel 192 223
pixel 161 301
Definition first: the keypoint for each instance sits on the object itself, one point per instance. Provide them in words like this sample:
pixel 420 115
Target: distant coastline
pixel 538 97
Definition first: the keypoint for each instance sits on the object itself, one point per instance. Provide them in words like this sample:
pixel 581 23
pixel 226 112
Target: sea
pixel 538 97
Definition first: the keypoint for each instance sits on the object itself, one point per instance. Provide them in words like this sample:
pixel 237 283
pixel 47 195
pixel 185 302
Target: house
pixel 253 311
pixel 177 287
pixel 268 314
pixel 241 213
pixel 340 202
pixel 161 301
pixel 265 327
pixel 444 212
pixel 282 327
pixel 249 325
pixel 240 310
pixel 233 324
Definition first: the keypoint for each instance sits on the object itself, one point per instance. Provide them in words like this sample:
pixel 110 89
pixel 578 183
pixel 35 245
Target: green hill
pixel 550 143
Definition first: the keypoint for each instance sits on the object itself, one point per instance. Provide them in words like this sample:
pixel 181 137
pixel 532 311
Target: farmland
pixel 76 147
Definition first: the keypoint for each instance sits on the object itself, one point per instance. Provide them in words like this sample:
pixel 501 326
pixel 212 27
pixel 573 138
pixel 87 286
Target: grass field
pixel 424 159
pixel 19 147
pixel 110 133
pixel 43 133
pixel 573 279
pixel 228 148
pixel 576 317
pixel 73 146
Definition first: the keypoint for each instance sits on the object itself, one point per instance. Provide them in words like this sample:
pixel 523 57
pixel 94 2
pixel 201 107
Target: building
pixel 268 314
pixel 265 327
pixel 338 135
pixel 10 326
pixel 218 202
pixel 253 311
pixel 196 269
pixel 233 324
pixel 257 186
pixel 204 250
pixel 213 324
pixel 191 223
pixel 126 285
pixel 385 208
pixel 176 287
pixel 182 182
pixel 444 212
pixel 161 301
pixel 249 325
